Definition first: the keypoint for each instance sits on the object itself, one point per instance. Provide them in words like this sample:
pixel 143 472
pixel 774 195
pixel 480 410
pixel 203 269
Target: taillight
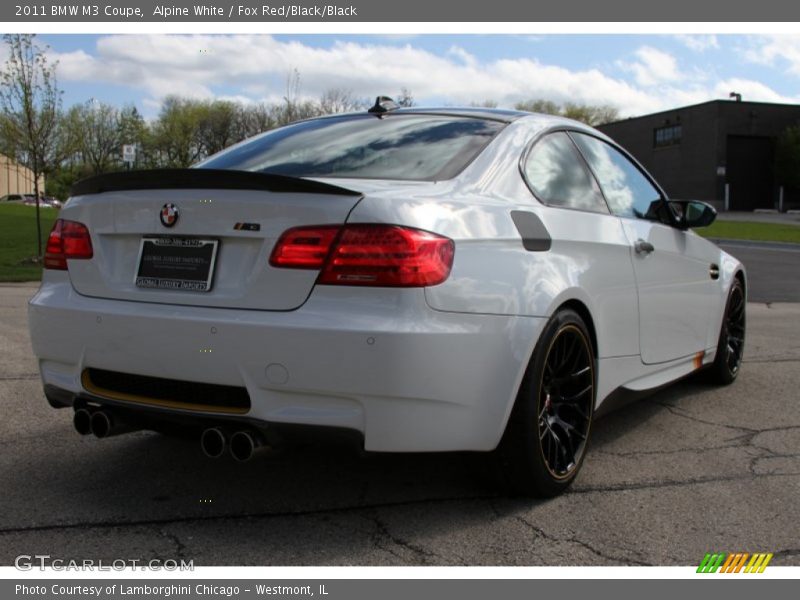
pixel 304 247
pixel 371 255
pixel 68 239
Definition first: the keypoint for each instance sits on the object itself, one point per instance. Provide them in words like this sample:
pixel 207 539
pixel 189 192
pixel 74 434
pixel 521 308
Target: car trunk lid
pixel 241 213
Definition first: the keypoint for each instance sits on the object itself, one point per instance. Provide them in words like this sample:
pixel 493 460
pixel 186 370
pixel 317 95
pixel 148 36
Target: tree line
pixel 87 139
pixel 187 130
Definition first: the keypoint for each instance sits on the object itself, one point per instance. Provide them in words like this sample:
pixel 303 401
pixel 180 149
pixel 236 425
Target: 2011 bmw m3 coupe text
pixel 433 279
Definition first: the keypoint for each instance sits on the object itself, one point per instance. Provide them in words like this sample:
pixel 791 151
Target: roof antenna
pixel 382 105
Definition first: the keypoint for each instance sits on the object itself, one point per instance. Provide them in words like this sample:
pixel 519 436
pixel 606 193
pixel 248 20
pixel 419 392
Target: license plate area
pixel 176 263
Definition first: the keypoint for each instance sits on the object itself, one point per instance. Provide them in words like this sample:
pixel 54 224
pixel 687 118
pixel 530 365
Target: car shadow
pixel 148 478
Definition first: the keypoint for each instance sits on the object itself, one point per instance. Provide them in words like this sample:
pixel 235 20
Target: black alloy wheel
pixel 565 397
pixel 548 432
pixel 730 348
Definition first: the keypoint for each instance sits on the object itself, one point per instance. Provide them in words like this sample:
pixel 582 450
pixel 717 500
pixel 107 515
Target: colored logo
pixel 735 562
pixel 169 215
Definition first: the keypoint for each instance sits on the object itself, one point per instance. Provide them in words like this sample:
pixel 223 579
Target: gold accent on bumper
pixel 90 387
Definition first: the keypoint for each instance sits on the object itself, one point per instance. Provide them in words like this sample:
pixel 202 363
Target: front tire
pixel 730 347
pixel 548 431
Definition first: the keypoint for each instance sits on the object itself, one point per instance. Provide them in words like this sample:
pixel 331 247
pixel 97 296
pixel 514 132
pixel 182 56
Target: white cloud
pixel 652 67
pixel 775 51
pixel 256 68
pixel 468 59
pixel 751 90
pixel 699 43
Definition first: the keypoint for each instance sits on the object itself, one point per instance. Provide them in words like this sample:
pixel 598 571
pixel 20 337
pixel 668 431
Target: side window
pixel 628 192
pixel 559 177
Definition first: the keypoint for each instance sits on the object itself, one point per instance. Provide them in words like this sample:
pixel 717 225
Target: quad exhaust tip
pixel 213 442
pixel 244 444
pixel 82 421
pixel 100 422
pixel 106 423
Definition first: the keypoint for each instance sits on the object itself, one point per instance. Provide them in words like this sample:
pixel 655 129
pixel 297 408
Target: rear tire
pixel 730 347
pixel 548 432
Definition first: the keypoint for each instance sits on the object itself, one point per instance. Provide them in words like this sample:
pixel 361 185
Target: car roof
pixel 495 114
pixel 502 115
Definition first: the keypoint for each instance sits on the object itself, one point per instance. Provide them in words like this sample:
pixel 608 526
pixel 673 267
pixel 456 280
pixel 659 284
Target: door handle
pixel 643 247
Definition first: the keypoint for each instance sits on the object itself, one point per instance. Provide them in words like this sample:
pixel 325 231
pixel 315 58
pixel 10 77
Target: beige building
pixel 16 179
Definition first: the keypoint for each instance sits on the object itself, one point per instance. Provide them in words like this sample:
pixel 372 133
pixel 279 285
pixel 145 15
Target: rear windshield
pixel 415 147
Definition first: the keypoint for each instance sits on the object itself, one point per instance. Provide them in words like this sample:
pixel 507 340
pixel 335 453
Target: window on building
pixel 667 136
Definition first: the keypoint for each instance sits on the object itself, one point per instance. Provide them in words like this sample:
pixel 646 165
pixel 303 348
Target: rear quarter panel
pixel 589 259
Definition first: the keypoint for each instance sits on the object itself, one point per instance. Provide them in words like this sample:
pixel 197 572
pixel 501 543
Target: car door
pixel 590 249
pixel 671 265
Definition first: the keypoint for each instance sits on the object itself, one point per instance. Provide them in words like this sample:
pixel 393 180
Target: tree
pixel 484 104
pixel 589 114
pixel 174 140
pixel 132 129
pixel 406 98
pixel 216 126
pixel 546 107
pixel 99 134
pixel 30 102
pixel 592 115
pixel 340 100
pixel 787 157
pixel 293 107
pixel 253 119
pixel 131 123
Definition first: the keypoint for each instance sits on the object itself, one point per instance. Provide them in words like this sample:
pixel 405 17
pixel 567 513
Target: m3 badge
pixel 247 227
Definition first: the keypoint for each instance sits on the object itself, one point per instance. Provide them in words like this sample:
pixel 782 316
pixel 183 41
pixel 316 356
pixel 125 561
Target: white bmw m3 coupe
pixel 433 279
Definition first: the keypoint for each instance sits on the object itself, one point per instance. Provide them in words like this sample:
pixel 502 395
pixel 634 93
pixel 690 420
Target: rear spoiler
pixel 210 179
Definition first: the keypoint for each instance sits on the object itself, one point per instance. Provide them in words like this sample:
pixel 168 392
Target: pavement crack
pixel 383 532
pixel 740 441
pixel 118 524
pixel 575 540
pixel 682 413
pixel 180 547
pixel 23 377
pixel 634 453
pixel 771 360
pixel 591 489
pixel 779 428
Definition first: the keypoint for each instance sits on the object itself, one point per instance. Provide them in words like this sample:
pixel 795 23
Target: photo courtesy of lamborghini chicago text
pixel 398 300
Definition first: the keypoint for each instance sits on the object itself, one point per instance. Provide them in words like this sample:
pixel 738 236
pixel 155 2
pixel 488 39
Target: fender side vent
pixel 535 237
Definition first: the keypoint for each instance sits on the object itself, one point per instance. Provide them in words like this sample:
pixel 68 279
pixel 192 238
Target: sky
pixel 637 74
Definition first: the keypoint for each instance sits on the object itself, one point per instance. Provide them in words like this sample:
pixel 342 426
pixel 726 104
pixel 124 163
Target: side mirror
pixel 693 213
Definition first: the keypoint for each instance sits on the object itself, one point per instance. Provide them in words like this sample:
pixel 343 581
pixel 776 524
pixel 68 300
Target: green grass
pixel 743 230
pixel 18 241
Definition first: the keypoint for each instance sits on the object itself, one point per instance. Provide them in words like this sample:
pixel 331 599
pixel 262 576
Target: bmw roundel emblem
pixel 169 215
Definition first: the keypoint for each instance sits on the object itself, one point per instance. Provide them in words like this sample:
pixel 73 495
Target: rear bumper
pixel 378 361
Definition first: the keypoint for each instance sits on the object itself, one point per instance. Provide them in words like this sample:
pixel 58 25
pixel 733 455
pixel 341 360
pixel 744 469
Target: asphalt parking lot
pixel 689 470
pixel 773 269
